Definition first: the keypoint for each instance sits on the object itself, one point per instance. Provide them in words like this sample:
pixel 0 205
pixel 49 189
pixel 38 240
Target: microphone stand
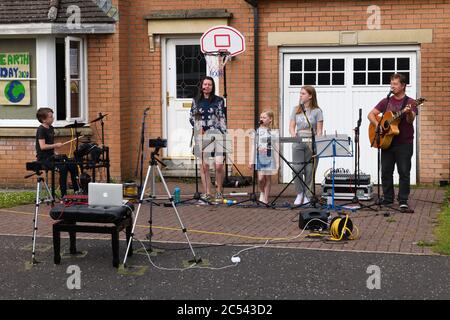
pixel 357 171
pixel 141 150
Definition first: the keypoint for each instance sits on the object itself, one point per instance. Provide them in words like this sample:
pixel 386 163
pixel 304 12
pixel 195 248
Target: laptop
pixel 105 194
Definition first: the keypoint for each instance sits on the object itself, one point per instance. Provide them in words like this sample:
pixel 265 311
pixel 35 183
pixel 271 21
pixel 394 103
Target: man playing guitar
pixel 401 149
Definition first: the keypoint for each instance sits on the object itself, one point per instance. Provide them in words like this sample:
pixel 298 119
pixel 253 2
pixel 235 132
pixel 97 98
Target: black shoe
pixel 385 202
pixel 405 208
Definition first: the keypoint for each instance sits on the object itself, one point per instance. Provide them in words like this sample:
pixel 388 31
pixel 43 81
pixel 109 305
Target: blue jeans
pixel 399 155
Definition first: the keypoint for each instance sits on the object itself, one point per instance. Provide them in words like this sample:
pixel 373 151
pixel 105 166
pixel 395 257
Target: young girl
pixel 299 126
pixel 266 147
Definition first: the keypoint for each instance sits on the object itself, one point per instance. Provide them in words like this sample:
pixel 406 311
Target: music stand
pixel 334 146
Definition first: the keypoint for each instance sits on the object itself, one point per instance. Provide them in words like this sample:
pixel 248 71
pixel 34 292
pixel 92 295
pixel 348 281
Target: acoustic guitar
pixel 389 124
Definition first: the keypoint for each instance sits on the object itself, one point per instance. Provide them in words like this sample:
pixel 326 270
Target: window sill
pixel 31 132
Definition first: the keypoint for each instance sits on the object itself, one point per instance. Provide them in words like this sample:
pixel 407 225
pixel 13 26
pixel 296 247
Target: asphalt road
pixel 262 274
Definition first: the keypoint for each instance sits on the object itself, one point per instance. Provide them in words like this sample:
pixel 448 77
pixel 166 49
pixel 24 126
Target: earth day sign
pixel 14 69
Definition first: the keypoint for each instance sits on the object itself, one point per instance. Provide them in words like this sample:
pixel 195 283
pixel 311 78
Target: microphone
pixel 261 122
pixel 146 110
pixel 389 94
pixel 360 117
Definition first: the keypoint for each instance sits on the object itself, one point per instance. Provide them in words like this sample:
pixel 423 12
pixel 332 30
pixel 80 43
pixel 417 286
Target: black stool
pixel 119 216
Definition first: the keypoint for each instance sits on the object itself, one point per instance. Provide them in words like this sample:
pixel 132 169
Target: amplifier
pixel 348 178
pixel 347 192
pixel 313 219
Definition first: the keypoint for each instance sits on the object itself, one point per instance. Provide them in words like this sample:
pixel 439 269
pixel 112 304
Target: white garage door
pixel 345 82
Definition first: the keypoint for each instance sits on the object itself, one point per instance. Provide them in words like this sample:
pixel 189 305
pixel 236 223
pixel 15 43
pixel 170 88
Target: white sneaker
pixel 298 200
pixel 261 197
pixel 305 200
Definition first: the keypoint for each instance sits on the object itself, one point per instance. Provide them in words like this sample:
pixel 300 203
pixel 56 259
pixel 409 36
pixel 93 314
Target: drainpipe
pixel 254 4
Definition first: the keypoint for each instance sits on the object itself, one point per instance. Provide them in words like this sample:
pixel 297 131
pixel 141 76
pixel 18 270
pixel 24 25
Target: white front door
pixel 345 83
pixel 185 66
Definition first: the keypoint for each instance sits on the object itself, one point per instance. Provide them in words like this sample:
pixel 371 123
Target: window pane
pixel 373 64
pixel 402 63
pixel 338 64
pixel 389 64
pixel 61 113
pixel 324 64
pixel 406 74
pixel 75 75
pixel 338 79
pixel 74 60
pixel 296 79
pixel 310 79
pixel 359 64
pixel 75 98
pixel 387 77
pixel 359 78
pixel 296 65
pixel 310 64
pixel 324 79
pixel 191 67
pixel 373 78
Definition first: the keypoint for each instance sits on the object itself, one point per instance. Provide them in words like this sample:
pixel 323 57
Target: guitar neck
pixel 398 114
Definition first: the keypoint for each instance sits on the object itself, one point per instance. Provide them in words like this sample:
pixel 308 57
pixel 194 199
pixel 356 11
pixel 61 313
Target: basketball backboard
pixel 222 38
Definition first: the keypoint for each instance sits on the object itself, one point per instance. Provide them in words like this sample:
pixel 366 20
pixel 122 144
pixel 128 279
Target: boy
pixel 45 150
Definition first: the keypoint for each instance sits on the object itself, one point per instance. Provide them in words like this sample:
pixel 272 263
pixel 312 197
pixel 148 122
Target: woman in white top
pixel 299 126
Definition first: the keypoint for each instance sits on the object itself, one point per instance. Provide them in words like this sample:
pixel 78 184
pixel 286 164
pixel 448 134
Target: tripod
pixel 355 199
pixel 40 185
pixel 151 174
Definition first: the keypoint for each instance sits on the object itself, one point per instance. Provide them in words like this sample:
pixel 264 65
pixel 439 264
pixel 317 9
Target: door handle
pixel 168 97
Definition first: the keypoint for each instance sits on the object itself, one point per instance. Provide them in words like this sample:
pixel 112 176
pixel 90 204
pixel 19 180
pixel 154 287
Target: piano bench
pixel 68 217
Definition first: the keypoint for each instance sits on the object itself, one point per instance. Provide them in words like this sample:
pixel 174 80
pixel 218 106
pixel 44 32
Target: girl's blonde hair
pixel 270 114
pixel 313 104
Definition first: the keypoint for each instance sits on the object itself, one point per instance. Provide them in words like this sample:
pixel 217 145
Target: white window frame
pixel 81 78
pixel 46 82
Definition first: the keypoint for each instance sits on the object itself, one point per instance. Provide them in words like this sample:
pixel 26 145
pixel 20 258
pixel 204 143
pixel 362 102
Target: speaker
pixel 307 215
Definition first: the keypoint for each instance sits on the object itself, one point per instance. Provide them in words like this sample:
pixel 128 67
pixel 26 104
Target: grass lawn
pixel 10 199
pixel 442 232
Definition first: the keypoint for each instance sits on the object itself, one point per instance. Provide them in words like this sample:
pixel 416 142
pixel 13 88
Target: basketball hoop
pixel 219 44
pixel 216 61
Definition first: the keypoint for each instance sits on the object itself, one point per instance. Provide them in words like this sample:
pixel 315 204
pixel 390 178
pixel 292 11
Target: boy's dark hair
pixel 42 114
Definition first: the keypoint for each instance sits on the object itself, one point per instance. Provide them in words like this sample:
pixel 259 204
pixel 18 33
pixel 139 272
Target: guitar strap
pixel 405 100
